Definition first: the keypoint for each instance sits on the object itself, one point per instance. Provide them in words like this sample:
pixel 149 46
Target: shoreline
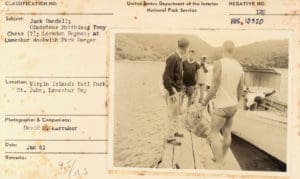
pixel 163 61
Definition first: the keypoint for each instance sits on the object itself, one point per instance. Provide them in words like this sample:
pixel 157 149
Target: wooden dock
pixel 193 153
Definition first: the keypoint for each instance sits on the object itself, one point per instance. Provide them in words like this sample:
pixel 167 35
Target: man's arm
pixel 217 70
pixel 269 94
pixel 204 68
pixel 197 77
pixel 197 73
pixel 240 89
pixel 168 75
pixel 202 65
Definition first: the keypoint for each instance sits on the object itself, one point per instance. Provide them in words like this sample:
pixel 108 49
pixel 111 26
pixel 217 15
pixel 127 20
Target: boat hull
pixel 264 129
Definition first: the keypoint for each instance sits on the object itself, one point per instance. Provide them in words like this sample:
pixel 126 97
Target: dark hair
pixel 183 43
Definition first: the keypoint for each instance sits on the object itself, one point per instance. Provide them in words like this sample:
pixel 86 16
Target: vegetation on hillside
pixel 156 47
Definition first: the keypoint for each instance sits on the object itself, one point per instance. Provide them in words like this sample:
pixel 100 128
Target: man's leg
pixel 191 92
pixel 190 100
pixel 210 107
pixel 172 121
pixel 177 119
pixel 171 107
pixel 226 130
pixel 196 93
pixel 202 91
pixel 181 96
pixel 217 123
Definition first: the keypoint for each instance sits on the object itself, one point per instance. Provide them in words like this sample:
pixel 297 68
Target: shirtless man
pixel 227 85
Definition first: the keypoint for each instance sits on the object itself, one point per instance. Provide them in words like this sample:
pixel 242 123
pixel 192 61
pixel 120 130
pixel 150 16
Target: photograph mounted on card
pixel 200 100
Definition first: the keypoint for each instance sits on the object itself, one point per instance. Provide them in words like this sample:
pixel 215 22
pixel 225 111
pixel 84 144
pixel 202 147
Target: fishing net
pixel 197 121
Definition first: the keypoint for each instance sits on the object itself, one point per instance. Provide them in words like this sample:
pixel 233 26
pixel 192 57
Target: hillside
pixel 266 53
pixel 155 47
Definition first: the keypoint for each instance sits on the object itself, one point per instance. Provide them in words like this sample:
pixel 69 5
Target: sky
pixel 240 37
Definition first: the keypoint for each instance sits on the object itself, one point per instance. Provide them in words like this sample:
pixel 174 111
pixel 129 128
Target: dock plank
pixel 194 153
pixel 183 155
pixel 167 156
pixel 203 154
pixel 230 162
pixel 204 157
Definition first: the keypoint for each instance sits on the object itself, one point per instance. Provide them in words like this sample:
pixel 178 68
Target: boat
pixel 265 126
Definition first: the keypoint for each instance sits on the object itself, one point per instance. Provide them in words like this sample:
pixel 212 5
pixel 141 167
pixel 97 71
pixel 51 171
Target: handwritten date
pixel 70 167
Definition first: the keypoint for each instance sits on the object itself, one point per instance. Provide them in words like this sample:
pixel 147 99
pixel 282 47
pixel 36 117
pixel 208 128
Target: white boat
pixel 266 130
pixel 265 127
